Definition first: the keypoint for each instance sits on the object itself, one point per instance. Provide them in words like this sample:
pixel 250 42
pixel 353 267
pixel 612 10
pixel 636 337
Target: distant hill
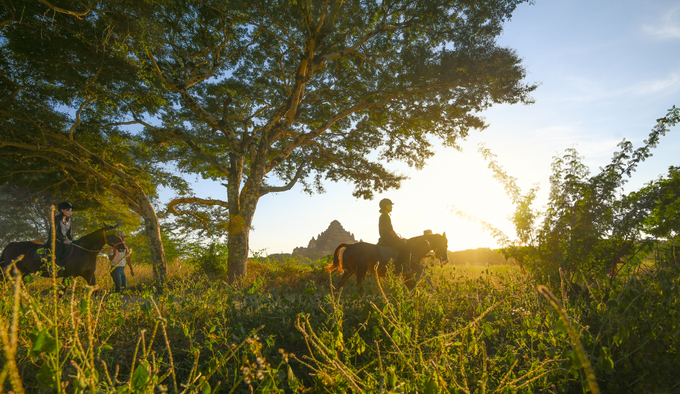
pixel 479 256
pixel 326 242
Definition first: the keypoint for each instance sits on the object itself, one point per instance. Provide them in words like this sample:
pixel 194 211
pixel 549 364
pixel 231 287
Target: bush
pixel 211 259
pixel 589 224
pixel 173 246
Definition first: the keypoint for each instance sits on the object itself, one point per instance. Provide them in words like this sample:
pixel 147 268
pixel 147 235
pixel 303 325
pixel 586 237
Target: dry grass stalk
pixel 573 336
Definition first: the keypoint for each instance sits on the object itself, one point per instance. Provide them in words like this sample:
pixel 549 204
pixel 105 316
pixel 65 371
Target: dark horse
pixel 439 245
pixel 81 262
pixel 361 258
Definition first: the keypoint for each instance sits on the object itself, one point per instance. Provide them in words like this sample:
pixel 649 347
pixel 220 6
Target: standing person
pixel 388 237
pixel 63 233
pixel 118 261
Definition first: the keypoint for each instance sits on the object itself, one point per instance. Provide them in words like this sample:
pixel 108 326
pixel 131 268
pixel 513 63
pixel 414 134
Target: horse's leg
pixel 345 276
pixel 422 273
pixel 89 277
pixel 362 270
pixel 92 281
pixel 409 280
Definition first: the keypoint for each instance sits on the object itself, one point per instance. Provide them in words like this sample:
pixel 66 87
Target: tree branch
pixel 77 122
pixel 192 145
pixel 196 108
pixel 64 11
pixel 276 189
pixel 189 200
pixel 75 163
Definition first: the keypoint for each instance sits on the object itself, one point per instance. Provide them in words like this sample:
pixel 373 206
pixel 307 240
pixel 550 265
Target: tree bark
pixel 153 234
pixel 242 204
pixel 237 263
pixel 239 235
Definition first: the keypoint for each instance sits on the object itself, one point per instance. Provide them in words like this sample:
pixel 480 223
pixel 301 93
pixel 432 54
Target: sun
pixel 434 195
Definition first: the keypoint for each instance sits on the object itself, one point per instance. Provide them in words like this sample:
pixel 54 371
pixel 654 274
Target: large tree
pixel 60 129
pixel 251 94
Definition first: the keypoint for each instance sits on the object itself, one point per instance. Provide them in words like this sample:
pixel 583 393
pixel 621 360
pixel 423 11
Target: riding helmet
pixel 384 202
pixel 65 205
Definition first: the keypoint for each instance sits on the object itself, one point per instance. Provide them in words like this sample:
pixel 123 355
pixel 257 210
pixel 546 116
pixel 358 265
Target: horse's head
pixel 440 245
pixel 114 241
pixel 419 247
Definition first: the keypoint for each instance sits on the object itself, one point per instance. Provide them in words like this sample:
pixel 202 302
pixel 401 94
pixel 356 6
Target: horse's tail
pixel 2 257
pixel 337 259
pixel 3 266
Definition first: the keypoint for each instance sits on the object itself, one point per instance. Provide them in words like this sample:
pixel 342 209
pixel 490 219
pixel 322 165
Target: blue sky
pixel 607 70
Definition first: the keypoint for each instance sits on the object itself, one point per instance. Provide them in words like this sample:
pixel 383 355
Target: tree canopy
pixel 263 95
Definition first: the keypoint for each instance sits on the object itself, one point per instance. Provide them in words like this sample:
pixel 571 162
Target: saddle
pixel 44 254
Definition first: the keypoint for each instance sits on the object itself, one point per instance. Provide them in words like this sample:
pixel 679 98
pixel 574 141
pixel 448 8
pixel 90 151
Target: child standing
pixel 118 261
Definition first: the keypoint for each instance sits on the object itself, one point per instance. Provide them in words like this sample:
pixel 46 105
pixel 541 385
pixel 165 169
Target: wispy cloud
pixel 587 90
pixel 670 84
pixel 561 136
pixel 667 27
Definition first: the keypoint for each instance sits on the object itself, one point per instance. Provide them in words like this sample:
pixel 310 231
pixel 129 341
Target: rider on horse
pixel 388 237
pixel 64 236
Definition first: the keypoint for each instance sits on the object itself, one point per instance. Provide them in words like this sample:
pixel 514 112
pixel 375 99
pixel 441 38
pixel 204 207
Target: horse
pixel 362 257
pixel 81 262
pixel 440 247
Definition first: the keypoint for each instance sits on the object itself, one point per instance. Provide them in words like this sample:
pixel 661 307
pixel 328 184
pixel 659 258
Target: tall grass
pixel 287 329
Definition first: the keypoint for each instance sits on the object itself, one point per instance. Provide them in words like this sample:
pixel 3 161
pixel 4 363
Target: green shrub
pixel 211 259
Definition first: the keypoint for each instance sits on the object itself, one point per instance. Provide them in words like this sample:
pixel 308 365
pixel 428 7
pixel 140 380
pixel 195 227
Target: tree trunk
pixel 153 234
pixel 239 233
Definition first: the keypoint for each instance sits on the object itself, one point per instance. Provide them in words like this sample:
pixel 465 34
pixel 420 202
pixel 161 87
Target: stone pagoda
pixel 326 242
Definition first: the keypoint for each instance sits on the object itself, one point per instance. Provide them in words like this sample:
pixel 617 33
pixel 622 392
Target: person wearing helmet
pixel 63 233
pixel 388 237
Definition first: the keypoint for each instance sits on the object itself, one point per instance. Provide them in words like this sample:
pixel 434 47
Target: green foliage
pixel 479 256
pixel 211 258
pixel 175 247
pixel 486 333
pixel 663 195
pixel 590 225
pixel 24 217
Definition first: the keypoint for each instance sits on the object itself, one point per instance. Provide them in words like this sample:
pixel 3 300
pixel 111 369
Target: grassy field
pixel 286 329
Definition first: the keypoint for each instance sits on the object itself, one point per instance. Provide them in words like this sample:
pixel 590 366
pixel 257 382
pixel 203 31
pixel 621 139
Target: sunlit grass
pixel 461 273
pixel 480 328
pixel 475 271
pixel 143 276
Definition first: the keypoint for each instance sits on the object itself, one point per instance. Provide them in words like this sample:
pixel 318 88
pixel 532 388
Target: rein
pixel 114 246
pixel 100 250
pixel 80 247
